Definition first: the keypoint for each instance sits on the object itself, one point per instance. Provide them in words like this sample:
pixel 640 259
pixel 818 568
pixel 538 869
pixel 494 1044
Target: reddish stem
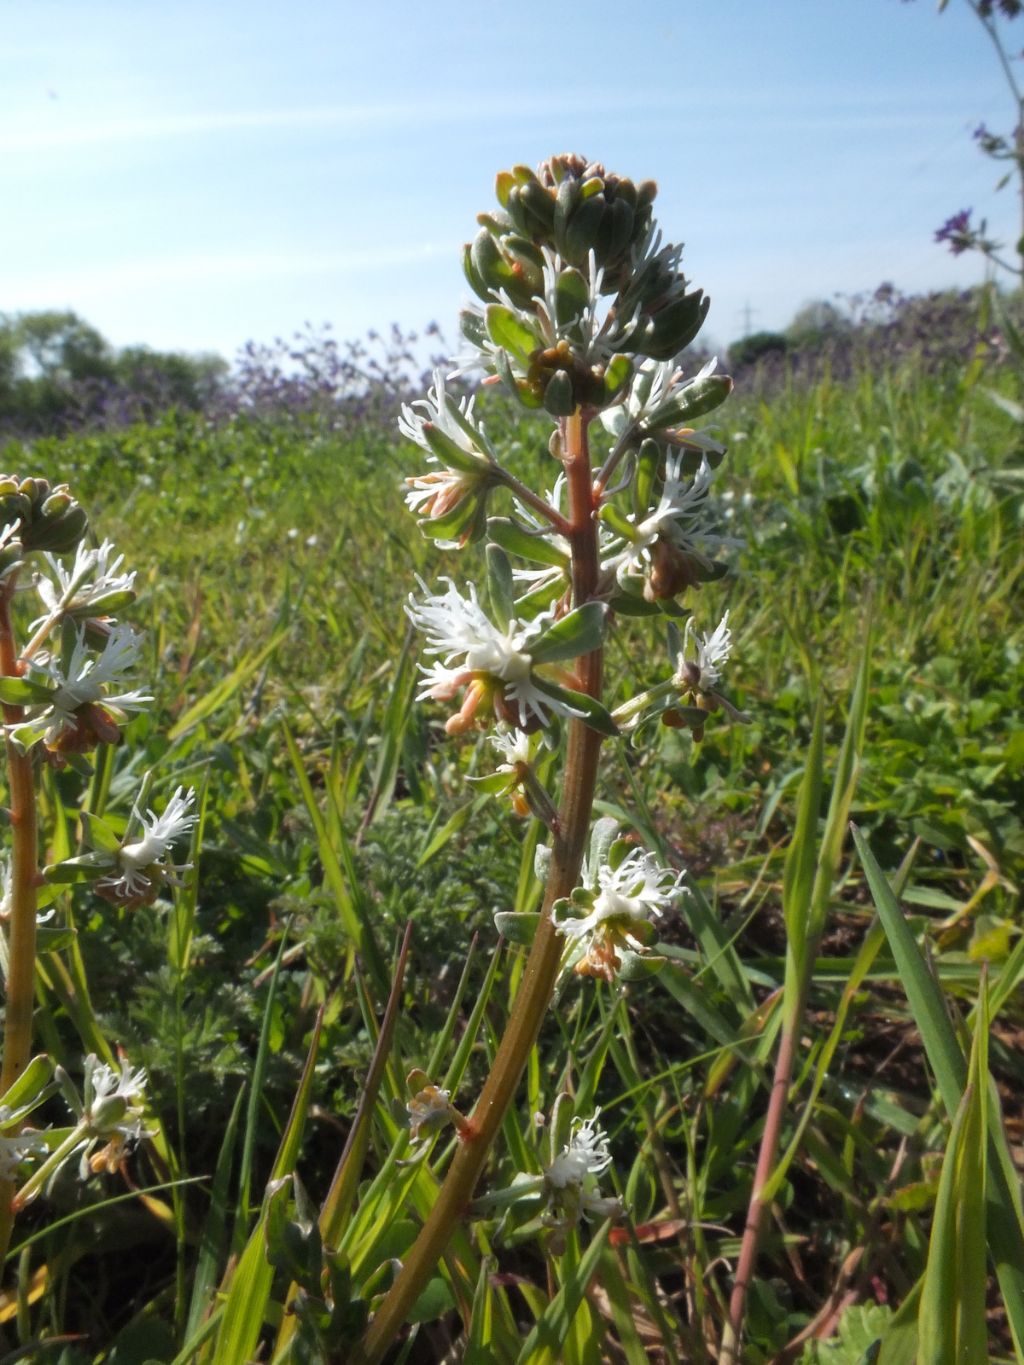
pixel 541 971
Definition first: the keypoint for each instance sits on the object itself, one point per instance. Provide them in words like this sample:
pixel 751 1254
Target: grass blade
pixel 212 1236
pixel 544 1344
pixel 248 1294
pixel 338 1203
pixel 951 1322
pixel 926 1000
pixel 1005 1220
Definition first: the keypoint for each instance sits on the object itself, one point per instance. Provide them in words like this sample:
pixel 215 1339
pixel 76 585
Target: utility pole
pixel 747 314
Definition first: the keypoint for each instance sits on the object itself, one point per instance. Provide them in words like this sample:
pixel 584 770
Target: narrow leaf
pixel 579 632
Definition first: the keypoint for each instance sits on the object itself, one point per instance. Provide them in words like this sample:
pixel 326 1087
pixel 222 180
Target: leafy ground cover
pixel 276 557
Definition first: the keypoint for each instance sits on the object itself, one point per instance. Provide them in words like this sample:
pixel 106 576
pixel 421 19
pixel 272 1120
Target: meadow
pixel 878 587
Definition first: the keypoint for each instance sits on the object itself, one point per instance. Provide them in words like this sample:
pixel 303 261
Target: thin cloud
pixel 132 276
pixel 69 130
pixel 74 134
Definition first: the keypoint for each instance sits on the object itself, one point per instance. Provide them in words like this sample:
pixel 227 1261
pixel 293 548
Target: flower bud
pixel 47 518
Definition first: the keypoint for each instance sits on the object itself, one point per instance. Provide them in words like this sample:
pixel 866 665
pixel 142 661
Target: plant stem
pixel 21 926
pixel 541 972
pixel 728 1354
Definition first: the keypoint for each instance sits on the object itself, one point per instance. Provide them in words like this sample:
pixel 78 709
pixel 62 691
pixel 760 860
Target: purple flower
pixel 957 231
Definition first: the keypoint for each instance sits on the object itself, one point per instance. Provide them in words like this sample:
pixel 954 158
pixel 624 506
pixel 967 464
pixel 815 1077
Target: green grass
pixel 274 561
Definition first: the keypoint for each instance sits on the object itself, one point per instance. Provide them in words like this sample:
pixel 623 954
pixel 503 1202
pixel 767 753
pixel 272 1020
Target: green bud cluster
pixel 45 517
pixel 594 231
pixel 575 207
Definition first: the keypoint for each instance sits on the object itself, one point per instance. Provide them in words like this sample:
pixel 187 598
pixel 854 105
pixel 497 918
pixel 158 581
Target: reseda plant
pixel 66 690
pixel 583 314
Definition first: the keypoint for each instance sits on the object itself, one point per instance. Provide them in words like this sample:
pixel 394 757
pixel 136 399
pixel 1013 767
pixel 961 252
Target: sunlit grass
pixel 275 560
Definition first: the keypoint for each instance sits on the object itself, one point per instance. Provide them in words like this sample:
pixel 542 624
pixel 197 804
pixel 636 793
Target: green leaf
pixel 616 377
pixel 216 696
pixel 500 586
pixel 952 1325
pixel 86 867
pixel 463 522
pixel 452 826
pixel 248 1294
pixel 98 834
pixel 433 1303
pixel 861 1329
pixel 471 323
pixel 517 926
pixel 53 938
pixel 211 1238
pixel 648 463
pixel 490 783
pixel 27 1090
pixel 338 1203
pixel 923 993
pixel 339 871
pixel 449 452
pixel 588 708
pixel 107 605
pixel 543 1345
pixel 22 692
pixel 1005 1218
pixel 801 856
pixel 572 296
pixel 487 266
pixel 507 331
pixel 693 400
pixel 559 395
pixel 512 537
pixel 578 632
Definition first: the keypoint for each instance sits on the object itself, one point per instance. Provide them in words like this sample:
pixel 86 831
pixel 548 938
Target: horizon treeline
pixel 58 373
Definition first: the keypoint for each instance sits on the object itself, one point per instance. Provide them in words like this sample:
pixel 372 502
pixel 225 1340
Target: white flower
pixel 141 868
pixel 83 705
pixel 703 672
pixel 623 900
pixel 14 1150
pixel 114 1099
pixel 476 652
pixel 429 1110
pixel 514 747
pixel 679 519
pixel 653 381
pixel 440 491
pixel 572 1176
pixel 437 492
pixel 633 893
pixel 87 678
pixel 586 1154
pixel 93 576
pixel 112 1113
pixel 437 410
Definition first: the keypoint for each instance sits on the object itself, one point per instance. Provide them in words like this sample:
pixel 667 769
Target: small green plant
pixel 65 693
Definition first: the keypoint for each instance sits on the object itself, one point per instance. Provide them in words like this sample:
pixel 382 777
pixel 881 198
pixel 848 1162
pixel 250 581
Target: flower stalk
pixel 21 923
pixel 24 870
pixel 583 313
pixel 542 967
pixel 61 697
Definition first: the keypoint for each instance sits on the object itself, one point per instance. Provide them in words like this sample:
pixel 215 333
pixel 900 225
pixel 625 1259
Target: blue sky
pixel 193 174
